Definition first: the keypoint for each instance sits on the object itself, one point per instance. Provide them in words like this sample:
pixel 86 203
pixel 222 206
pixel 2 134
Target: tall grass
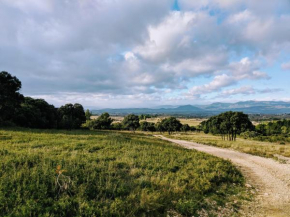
pixel 111 174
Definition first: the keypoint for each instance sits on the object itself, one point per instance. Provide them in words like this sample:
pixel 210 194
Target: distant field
pixel 189 121
pixel 111 174
pixel 265 149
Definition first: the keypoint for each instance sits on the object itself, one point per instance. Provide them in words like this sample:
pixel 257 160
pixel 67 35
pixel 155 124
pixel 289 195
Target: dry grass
pixel 265 149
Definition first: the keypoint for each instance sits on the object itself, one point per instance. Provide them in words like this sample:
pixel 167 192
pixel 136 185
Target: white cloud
pixel 219 82
pixel 286 66
pixel 131 47
pixel 247 69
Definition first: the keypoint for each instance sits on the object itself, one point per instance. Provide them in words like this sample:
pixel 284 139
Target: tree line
pixel 16 109
pixel 133 122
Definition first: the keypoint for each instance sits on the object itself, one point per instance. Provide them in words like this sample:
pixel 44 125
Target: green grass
pixel 112 174
pixel 264 149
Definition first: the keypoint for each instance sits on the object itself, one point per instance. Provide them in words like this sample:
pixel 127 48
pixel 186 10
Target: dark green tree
pixel 71 116
pixel 171 124
pixel 228 125
pixel 36 113
pixel 10 98
pixel 147 126
pixel 131 122
pixel 103 122
pixel 185 128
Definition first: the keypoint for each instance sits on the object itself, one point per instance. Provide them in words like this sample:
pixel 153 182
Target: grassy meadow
pixel 89 173
pixel 264 149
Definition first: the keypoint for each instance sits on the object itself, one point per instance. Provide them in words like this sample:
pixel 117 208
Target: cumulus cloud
pixel 247 90
pixel 219 82
pixel 139 49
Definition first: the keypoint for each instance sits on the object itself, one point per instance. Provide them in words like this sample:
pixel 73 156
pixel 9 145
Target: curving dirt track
pixel 270 178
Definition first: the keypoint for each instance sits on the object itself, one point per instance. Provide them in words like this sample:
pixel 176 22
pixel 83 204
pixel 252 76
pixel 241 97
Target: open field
pixel 264 149
pixel 111 174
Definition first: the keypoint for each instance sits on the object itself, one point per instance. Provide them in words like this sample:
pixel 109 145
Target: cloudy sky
pixel 143 53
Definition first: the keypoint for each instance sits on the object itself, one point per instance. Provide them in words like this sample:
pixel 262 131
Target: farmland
pixel 111 174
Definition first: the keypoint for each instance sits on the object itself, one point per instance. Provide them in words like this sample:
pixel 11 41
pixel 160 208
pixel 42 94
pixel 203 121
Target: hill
pixel 250 107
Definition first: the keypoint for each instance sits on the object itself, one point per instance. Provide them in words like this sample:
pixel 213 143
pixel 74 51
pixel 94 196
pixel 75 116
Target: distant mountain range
pixel 250 107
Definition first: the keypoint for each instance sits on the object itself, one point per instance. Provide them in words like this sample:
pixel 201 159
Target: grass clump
pixel 82 173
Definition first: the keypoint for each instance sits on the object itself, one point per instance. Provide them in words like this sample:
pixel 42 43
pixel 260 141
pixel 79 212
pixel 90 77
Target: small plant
pixel 62 182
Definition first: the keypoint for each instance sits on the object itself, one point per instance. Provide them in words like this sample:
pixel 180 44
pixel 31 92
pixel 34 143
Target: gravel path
pixel 270 178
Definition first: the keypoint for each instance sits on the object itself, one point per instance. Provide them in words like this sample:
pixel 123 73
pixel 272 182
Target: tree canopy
pixel 71 116
pixel 103 122
pixel 228 124
pixel 36 113
pixel 131 122
pixel 10 98
pixel 170 124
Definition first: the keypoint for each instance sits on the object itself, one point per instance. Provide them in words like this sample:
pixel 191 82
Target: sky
pixel 145 53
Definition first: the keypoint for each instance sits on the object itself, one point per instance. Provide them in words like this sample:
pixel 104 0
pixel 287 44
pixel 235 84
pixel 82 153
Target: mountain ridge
pixel 250 107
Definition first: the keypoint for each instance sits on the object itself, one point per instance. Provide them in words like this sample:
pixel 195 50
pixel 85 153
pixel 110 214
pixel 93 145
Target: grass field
pixel 265 149
pixel 111 174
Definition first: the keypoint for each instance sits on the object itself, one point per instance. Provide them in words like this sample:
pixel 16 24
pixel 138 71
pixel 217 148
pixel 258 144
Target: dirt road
pixel 269 177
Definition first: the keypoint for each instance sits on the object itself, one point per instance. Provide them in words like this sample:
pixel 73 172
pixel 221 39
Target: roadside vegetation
pixel 250 146
pixel 89 173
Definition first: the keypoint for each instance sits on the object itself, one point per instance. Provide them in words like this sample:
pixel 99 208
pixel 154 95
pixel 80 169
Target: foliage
pixel 185 128
pixel 88 115
pixel 131 122
pixel 274 128
pixel 228 125
pixel 117 126
pixel 170 124
pixel 71 116
pixel 193 128
pixel 103 122
pixel 145 116
pixel 110 174
pixel 147 126
pixel 36 113
pixel 10 98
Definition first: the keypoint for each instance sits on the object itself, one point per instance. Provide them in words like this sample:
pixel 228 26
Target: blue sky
pixel 133 53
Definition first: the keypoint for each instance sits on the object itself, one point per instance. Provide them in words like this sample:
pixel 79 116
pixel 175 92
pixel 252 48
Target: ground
pixel 270 178
pixel 90 173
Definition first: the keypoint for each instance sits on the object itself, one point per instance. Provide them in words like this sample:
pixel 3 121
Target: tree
pixel 228 125
pixel 103 122
pixel 10 98
pixel 185 128
pixel 88 115
pixel 71 116
pixel 131 122
pixel 192 128
pixel 171 124
pixel 117 126
pixel 159 127
pixel 147 126
pixel 36 113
